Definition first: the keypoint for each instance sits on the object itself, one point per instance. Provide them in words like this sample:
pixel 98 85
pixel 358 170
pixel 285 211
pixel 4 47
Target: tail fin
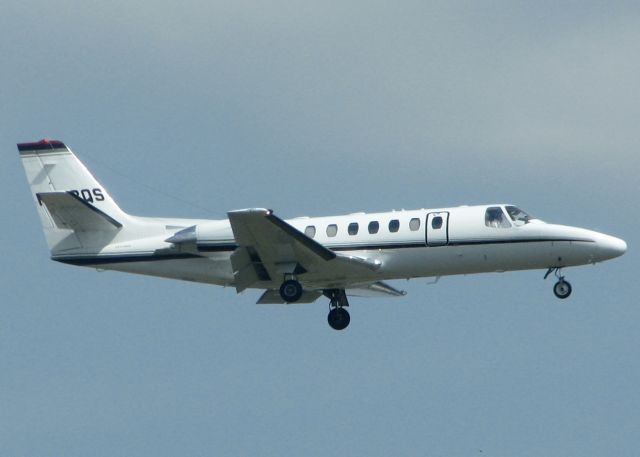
pixel 72 222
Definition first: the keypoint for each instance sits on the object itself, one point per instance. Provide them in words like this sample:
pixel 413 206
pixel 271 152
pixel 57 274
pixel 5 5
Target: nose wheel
pixel 562 288
pixel 338 317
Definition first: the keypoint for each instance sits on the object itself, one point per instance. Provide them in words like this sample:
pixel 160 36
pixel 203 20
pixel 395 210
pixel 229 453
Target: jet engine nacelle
pixel 208 236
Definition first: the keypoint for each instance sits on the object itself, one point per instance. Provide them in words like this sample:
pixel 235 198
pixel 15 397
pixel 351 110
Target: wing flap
pixel 68 211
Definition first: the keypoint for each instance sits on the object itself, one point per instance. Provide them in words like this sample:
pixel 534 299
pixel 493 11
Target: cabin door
pixel 437 229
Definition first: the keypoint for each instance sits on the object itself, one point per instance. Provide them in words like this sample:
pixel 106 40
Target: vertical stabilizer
pixel 51 167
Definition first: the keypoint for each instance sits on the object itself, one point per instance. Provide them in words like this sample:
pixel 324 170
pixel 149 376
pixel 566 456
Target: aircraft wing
pixel 374 289
pixel 269 248
pixel 272 297
pixel 69 211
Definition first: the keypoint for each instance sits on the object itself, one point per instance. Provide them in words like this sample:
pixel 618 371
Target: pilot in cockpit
pixel 494 217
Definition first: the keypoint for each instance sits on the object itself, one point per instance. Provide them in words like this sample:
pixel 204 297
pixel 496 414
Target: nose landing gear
pixel 562 288
pixel 338 317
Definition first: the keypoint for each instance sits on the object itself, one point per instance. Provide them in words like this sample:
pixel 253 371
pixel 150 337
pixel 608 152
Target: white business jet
pixel 298 260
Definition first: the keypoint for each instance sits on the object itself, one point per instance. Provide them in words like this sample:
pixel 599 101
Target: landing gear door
pixel 437 229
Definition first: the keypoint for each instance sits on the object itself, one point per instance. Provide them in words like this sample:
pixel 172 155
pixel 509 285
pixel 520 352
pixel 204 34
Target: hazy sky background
pixel 317 108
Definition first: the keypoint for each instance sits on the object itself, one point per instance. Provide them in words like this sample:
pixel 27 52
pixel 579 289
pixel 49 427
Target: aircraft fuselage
pixel 463 244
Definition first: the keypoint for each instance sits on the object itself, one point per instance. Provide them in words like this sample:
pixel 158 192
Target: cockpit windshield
pixel 517 215
pixel 494 217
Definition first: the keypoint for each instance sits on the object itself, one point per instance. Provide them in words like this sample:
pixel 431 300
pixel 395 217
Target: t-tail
pixel 76 211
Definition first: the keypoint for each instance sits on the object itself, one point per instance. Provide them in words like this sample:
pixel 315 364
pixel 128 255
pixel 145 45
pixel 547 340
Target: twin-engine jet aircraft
pixel 302 259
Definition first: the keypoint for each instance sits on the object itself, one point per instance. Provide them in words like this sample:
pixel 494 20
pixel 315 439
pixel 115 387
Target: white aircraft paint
pixel 297 260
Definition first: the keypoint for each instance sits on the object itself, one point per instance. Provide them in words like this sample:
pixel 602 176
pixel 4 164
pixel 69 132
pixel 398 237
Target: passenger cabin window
pixel 310 231
pixel 374 226
pixel 518 216
pixel 436 223
pixel 394 225
pixel 353 228
pixel 414 224
pixel 332 230
pixel 494 217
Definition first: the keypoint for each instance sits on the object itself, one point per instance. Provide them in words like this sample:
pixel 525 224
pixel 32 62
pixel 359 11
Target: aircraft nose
pixel 611 247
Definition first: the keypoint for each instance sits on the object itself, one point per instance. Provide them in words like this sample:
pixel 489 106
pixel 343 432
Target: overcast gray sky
pixel 195 108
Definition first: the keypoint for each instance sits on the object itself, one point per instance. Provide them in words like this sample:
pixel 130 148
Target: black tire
pixel 291 291
pixel 562 289
pixel 338 318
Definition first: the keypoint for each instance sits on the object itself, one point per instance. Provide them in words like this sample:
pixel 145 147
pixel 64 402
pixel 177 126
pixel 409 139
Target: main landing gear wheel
pixel 562 289
pixel 291 291
pixel 338 318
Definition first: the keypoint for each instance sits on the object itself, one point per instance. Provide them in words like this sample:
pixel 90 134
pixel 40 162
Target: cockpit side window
pixel 517 215
pixel 494 217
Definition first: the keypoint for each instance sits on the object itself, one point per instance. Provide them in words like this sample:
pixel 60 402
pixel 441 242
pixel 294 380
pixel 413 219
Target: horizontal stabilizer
pixel 69 211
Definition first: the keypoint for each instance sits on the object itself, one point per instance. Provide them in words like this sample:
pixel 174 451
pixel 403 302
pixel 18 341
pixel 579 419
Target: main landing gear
pixel 291 291
pixel 338 317
pixel 562 288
